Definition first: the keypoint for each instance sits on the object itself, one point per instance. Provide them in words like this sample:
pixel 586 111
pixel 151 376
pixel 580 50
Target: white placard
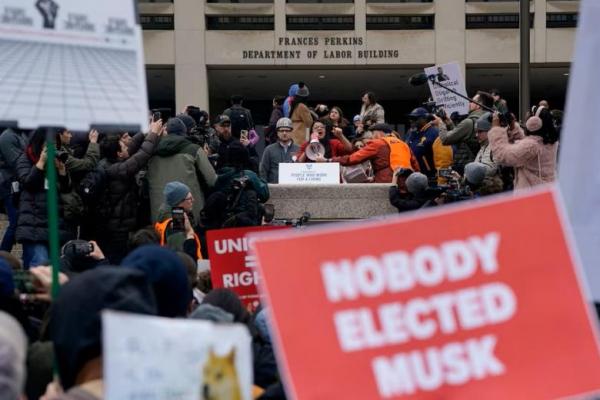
pixel 309 173
pixel 72 63
pixel 163 358
pixel 448 75
pixel 579 178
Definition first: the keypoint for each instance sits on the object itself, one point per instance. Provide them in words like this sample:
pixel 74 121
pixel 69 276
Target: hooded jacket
pixel 178 159
pixel 12 145
pixel 32 224
pixel 534 161
pixel 75 321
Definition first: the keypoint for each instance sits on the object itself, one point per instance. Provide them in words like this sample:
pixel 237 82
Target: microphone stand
pixel 433 81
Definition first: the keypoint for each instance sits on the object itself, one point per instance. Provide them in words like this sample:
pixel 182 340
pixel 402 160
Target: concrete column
pixel 538 49
pixel 450 32
pixel 191 80
pixel 360 17
pixel 279 11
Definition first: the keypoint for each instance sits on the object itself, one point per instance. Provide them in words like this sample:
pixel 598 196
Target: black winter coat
pixel 116 215
pixel 32 224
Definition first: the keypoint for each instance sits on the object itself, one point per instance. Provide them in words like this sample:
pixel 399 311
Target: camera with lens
pixel 434 109
pixel 240 183
pixel 74 249
pixel 506 119
pixel 62 156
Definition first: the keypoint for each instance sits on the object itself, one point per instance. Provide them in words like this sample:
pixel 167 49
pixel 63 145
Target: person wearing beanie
pixel 76 324
pixel 175 126
pixel 485 156
pixel 417 183
pixel 300 115
pixel 475 173
pixel 188 121
pixel 13 350
pixel 184 239
pixel 480 182
pixel 287 103
pixel 282 151
pixel 178 158
pixel 167 276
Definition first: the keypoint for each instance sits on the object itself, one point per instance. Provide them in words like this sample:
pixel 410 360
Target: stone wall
pixel 331 202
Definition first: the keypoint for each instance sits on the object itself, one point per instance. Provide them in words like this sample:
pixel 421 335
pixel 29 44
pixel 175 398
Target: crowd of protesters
pixel 134 209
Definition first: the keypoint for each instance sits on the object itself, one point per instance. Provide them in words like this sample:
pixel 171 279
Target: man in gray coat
pixel 281 151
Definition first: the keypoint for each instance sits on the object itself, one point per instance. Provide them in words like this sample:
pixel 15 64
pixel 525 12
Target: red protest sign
pixel 231 266
pixel 478 301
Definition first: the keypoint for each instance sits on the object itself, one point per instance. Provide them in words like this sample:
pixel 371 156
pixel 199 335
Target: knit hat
pixel 167 276
pixel 13 349
pixel 175 126
pixel 302 90
pixel 284 123
pixel 76 324
pixel 7 284
pixel 212 313
pixel 175 192
pixel 484 123
pixel 356 118
pixel 222 119
pixel 475 173
pixel 417 183
pixel 188 121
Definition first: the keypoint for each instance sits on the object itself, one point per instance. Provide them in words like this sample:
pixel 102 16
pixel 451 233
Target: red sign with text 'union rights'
pixel 231 266
pixel 478 301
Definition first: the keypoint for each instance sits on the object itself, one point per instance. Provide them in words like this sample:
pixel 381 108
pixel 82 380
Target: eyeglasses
pixel 189 198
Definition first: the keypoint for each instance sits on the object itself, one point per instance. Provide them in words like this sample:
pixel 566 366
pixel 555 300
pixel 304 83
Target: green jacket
pixel 178 159
pixel 77 168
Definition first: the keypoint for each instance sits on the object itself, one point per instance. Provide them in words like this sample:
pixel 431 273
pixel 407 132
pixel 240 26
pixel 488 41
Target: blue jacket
pixel 421 144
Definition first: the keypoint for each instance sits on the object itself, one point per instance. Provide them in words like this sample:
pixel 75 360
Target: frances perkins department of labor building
pixel 202 51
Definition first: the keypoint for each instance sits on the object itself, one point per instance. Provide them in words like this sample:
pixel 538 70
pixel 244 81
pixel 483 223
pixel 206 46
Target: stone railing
pixel 331 202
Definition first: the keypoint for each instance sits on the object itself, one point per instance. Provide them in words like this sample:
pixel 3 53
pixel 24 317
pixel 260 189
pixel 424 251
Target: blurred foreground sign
pixel 578 170
pixel 72 63
pixel 231 266
pixel 448 75
pixel 164 359
pixel 478 301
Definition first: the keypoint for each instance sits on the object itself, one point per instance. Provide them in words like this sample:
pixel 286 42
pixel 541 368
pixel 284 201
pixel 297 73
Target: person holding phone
pixel 176 221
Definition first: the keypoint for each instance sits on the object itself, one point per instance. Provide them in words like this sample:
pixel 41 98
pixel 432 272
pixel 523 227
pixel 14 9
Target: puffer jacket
pixel 534 161
pixel 32 224
pixel 178 159
pixel 116 215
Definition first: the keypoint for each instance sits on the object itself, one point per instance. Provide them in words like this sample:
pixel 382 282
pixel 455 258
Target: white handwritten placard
pixel 156 358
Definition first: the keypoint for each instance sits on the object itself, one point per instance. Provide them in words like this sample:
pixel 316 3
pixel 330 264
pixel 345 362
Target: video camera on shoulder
pixel 434 109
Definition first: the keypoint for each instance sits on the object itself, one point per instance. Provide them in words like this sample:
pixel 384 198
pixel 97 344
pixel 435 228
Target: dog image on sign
pixel 220 377
pixel 175 358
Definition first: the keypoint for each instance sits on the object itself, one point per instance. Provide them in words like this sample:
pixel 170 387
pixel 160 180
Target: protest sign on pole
pixel 448 75
pixel 231 266
pixel 578 170
pixel 72 64
pixel 476 301
pixel 162 358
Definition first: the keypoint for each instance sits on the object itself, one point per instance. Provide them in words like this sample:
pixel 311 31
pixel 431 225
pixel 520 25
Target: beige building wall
pixel 191 49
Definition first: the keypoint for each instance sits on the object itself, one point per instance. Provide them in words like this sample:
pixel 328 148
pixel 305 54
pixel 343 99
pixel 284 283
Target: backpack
pixel 92 186
pixel 239 120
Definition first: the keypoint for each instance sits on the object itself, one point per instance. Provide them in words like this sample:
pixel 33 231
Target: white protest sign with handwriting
pixel 163 359
pixel 309 173
pixel 448 75
pixel 72 63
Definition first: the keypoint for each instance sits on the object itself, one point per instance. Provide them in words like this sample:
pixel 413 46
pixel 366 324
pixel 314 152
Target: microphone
pixel 418 79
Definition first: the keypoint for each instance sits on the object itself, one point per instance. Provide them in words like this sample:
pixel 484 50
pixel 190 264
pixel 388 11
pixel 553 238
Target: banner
pixel 474 301
pixel 73 64
pixel 450 76
pixel 164 358
pixel 578 170
pixel 231 266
